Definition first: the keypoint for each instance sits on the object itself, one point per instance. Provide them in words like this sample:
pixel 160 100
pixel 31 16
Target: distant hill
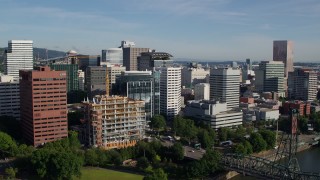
pixel 38 53
pixel 41 53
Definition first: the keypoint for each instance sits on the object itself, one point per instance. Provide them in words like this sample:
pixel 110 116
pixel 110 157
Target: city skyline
pixel 200 30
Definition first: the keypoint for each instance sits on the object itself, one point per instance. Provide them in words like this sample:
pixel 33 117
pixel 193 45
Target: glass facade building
pixel 140 85
pixel 72 75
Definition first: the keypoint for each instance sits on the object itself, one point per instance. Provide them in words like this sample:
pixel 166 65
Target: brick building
pixel 43 105
pixel 302 107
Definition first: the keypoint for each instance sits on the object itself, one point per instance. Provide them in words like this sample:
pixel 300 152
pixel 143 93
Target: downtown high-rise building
pixel 130 57
pixel 150 60
pixel 72 75
pixel 225 86
pixel 9 97
pixel 95 79
pixel 272 76
pixel 302 84
pixel 114 121
pixel 170 91
pixel 43 105
pixel 283 51
pixel 202 91
pixel 18 56
pixel 140 85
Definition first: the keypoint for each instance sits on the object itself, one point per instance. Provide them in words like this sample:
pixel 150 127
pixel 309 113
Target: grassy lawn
pixel 99 173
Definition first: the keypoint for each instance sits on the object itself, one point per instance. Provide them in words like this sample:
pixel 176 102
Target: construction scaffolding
pixel 114 121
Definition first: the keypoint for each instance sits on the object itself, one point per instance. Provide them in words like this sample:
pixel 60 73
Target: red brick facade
pixel 302 107
pixel 43 105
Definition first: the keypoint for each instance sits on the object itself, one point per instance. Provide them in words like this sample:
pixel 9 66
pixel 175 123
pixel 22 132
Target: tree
pixel 303 124
pixel 189 130
pixel 7 145
pixel 74 140
pixel 205 139
pixel 64 165
pixel 158 174
pixel 53 164
pixel 248 147
pixel 91 157
pixel 142 163
pixel 223 134
pixel 115 157
pixel 258 143
pixel 211 160
pixel 11 172
pixel 177 151
pixel 240 149
pixel 158 122
pixel 269 137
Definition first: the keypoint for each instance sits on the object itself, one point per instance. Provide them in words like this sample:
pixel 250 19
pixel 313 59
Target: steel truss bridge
pixel 285 165
pixel 263 168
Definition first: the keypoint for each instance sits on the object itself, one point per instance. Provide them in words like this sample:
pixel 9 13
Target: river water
pixel 309 161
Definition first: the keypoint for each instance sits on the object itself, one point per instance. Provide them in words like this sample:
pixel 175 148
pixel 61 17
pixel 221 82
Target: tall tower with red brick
pixel 43 101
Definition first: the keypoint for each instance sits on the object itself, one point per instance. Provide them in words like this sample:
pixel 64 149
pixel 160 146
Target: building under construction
pixel 114 121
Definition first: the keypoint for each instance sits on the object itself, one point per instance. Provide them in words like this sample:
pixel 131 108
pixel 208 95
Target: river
pixel 309 161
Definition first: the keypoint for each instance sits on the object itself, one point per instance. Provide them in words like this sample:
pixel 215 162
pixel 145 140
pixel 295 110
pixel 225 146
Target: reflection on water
pixel 309 161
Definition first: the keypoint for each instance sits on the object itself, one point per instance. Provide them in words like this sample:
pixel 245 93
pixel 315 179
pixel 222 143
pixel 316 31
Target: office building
pixel 114 121
pixel 202 91
pixel 113 56
pixel 140 85
pixel 283 51
pixel 81 80
pixel 96 78
pixel 18 56
pixel 147 61
pixel 303 84
pixel 72 75
pixel 170 91
pixel 130 55
pixel 225 86
pixel 304 108
pixel 273 76
pixel 194 74
pixel 213 113
pixel 9 97
pixel 43 105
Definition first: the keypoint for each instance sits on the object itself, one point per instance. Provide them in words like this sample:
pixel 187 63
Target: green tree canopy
pixel 177 151
pixel 158 174
pixel 158 122
pixel 269 137
pixel 8 146
pixel 257 142
pixel 205 139
pixel 142 163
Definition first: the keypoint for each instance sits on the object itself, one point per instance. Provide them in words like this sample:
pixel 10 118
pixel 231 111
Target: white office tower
pixel 19 56
pixel 9 97
pixel 170 91
pixel 202 91
pixel 224 86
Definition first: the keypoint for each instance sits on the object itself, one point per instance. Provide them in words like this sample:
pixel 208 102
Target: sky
pixel 210 30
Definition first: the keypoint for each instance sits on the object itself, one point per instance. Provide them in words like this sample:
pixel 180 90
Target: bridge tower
pixel 286 154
